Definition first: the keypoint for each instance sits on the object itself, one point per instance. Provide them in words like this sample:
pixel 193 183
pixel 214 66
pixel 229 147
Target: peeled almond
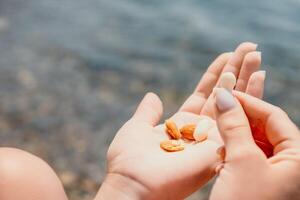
pixel 187 131
pixel 200 133
pixel 172 129
pixel 227 80
pixel 172 145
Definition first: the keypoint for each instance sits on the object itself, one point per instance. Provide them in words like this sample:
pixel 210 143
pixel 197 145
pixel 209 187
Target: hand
pixel 243 63
pixel 139 169
pixel 247 173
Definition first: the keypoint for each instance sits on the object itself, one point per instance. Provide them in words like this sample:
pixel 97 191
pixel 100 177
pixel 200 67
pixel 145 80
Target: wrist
pixel 116 186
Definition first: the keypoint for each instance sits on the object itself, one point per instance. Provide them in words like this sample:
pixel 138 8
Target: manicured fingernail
pixel 227 80
pixel 224 100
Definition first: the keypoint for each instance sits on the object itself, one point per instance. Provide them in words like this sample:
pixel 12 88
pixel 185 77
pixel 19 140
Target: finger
pixel 233 65
pixel 256 84
pixel 211 76
pixel 251 63
pixel 195 102
pixel 208 107
pixel 150 110
pixel 235 62
pixel 281 132
pixel 233 125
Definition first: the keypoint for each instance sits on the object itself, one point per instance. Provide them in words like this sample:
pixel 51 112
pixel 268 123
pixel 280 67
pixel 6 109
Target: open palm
pixel 135 152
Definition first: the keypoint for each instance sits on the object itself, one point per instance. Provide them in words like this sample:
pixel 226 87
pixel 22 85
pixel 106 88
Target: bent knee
pixel 25 175
pixel 18 164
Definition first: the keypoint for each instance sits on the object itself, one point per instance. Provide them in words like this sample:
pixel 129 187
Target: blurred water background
pixel 71 72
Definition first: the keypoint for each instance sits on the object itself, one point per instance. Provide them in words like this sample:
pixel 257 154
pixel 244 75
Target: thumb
pixel 233 125
pixel 150 110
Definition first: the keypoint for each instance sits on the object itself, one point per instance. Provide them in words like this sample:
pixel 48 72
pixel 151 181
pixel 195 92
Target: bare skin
pixel 247 173
pixel 25 176
pixel 139 169
pixel 136 166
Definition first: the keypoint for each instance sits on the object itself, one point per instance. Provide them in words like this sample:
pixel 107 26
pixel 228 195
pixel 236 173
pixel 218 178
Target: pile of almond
pixel 193 132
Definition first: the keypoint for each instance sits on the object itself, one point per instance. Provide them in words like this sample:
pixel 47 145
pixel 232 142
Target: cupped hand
pixel 139 169
pixel 247 173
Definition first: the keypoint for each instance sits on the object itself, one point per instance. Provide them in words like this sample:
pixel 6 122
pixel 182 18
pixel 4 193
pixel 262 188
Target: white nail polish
pixel 224 100
pixel 202 128
pixel 227 81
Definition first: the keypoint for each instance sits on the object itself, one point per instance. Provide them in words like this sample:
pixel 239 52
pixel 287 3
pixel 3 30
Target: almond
pixel 172 129
pixel 188 130
pixel 202 137
pixel 172 145
pixel 202 128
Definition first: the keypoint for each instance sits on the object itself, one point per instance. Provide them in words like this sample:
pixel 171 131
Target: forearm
pixel 116 187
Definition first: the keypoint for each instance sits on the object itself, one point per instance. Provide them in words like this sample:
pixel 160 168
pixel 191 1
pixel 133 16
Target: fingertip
pixel 150 109
pixel 260 74
pixel 224 100
pixel 246 46
pixel 225 55
pixel 256 84
pixel 153 99
pixel 253 58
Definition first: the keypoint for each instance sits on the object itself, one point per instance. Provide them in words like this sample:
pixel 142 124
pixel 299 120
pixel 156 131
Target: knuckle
pixel 235 130
pixel 229 126
pixel 242 82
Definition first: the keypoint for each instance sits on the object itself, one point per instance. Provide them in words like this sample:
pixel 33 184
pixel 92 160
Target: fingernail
pixel 224 100
pixel 255 45
pixel 227 80
pixel 202 128
pixel 258 54
pixel 263 73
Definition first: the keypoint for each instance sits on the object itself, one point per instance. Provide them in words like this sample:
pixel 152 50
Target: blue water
pixel 110 33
